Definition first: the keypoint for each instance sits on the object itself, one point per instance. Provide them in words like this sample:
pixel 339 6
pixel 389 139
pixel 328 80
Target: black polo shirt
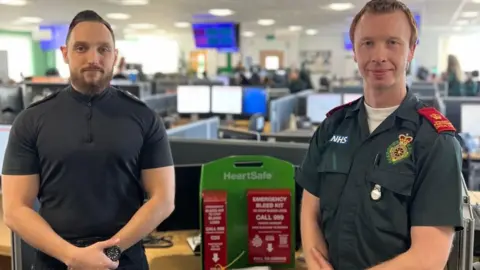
pixel 89 153
pixel 374 187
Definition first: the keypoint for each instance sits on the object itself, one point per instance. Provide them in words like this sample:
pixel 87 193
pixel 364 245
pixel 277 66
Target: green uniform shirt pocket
pixel 333 172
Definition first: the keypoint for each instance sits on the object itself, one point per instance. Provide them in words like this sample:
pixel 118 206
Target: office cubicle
pixel 282 109
pixel 202 129
pixel 32 92
pixel 138 89
pixel 162 104
pixel 463 110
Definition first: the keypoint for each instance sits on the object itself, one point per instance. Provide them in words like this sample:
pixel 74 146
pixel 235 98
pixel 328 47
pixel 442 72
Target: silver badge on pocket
pixel 376 193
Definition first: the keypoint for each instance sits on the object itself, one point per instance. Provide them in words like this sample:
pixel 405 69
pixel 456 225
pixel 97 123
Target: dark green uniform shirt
pixel 415 169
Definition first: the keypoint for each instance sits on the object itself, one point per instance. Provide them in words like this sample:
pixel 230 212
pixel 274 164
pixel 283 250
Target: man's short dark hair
pixel 88 16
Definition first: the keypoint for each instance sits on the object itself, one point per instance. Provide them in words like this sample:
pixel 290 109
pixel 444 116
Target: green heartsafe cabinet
pixel 247 213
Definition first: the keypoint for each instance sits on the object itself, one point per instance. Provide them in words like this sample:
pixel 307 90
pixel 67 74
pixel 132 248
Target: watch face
pixel 113 253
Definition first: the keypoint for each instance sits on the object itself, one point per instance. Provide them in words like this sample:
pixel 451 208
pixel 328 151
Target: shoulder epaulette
pixel 437 119
pixel 338 108
pixel 43 100
pixel 130 96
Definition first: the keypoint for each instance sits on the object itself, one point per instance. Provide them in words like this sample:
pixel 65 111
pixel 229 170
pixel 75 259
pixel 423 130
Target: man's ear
pixel 64 54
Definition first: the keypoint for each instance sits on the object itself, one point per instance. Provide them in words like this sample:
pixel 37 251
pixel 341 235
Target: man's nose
pixel 93 57
pixel 379 54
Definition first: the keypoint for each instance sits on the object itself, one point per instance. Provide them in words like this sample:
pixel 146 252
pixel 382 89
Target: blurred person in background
pixel 453 76
pixel 295 83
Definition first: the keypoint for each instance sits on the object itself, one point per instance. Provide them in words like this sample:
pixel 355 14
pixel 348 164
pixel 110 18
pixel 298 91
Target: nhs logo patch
pixel 339 139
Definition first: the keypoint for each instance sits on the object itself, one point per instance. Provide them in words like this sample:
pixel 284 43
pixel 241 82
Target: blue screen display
pixel 222 36
pixel 254 100
pixel 58 37
pixel 347 43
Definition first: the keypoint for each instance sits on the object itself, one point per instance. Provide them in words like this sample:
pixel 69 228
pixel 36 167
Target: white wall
pixel 430 53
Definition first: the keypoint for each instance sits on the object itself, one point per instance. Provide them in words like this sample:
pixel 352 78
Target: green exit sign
pixel 270 37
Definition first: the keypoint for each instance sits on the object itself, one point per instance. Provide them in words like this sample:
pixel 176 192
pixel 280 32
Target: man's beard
pixel 92 87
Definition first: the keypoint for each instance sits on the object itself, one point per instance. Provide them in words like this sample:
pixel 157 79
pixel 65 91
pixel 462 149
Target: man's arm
pixel 307 178
pixel 160 186
pixel 312 236
pixel 20 185
pixel 158 177
pixel 434 221
pixel 429 250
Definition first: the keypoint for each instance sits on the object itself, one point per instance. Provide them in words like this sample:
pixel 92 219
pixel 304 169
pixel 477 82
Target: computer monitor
pixel 227 99
pixel 187 190
pixel 4 134
pixel 318 105
pixel 469 119
pixel 350 97
pixel 193 99
pixel 254 100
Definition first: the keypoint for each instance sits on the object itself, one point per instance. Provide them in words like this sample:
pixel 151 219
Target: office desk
pixel 178 257
pixel 243 124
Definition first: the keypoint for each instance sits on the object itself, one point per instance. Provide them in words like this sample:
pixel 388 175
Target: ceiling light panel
pixel 340 6
pixel 311 32
pixel 28 20
pixel 294 28
pixel 248 34
pixel 118 16
pixel 13 2
pixel 266 22
pixel 220 12
pixel 182 24
pixel 141 26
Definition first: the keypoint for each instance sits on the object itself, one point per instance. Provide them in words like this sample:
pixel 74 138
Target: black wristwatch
pixel 113 253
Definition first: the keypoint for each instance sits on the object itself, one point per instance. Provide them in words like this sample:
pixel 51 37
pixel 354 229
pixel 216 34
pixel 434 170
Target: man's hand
pixel 322 263
pixel 92 257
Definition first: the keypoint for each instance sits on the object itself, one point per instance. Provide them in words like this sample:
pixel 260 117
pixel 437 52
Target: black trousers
pixel 131 259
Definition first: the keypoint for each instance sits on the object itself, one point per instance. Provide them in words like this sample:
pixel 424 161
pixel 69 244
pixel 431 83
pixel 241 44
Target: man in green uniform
pixel 382 176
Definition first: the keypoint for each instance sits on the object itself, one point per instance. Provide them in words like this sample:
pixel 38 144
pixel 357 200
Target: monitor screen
pixel 469 119
pixel 318 105
pixel 254 100
pixel 227 99
pixel 221 36
pixel 4 134
pixel 58 35
pixel 193 99
pixel 350 97
pixel 347 43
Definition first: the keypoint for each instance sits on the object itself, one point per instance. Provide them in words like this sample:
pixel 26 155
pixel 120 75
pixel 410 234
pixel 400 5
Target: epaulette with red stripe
pixel 332 111
pixel 437 119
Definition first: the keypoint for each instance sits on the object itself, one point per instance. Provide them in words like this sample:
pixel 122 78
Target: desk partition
pixel 281 110
pixel 202 129
pixel 453 106
pixel 163 104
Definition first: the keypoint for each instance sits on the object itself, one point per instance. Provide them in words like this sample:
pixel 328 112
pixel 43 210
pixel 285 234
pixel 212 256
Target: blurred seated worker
pixel 453 76
pixel 422 74
pixel 295 84
pixel 324 83
pixel 470 86
pixel 304 75
pixel 121 73
pixel 240 79
pixel 239 68
pixel 52 72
